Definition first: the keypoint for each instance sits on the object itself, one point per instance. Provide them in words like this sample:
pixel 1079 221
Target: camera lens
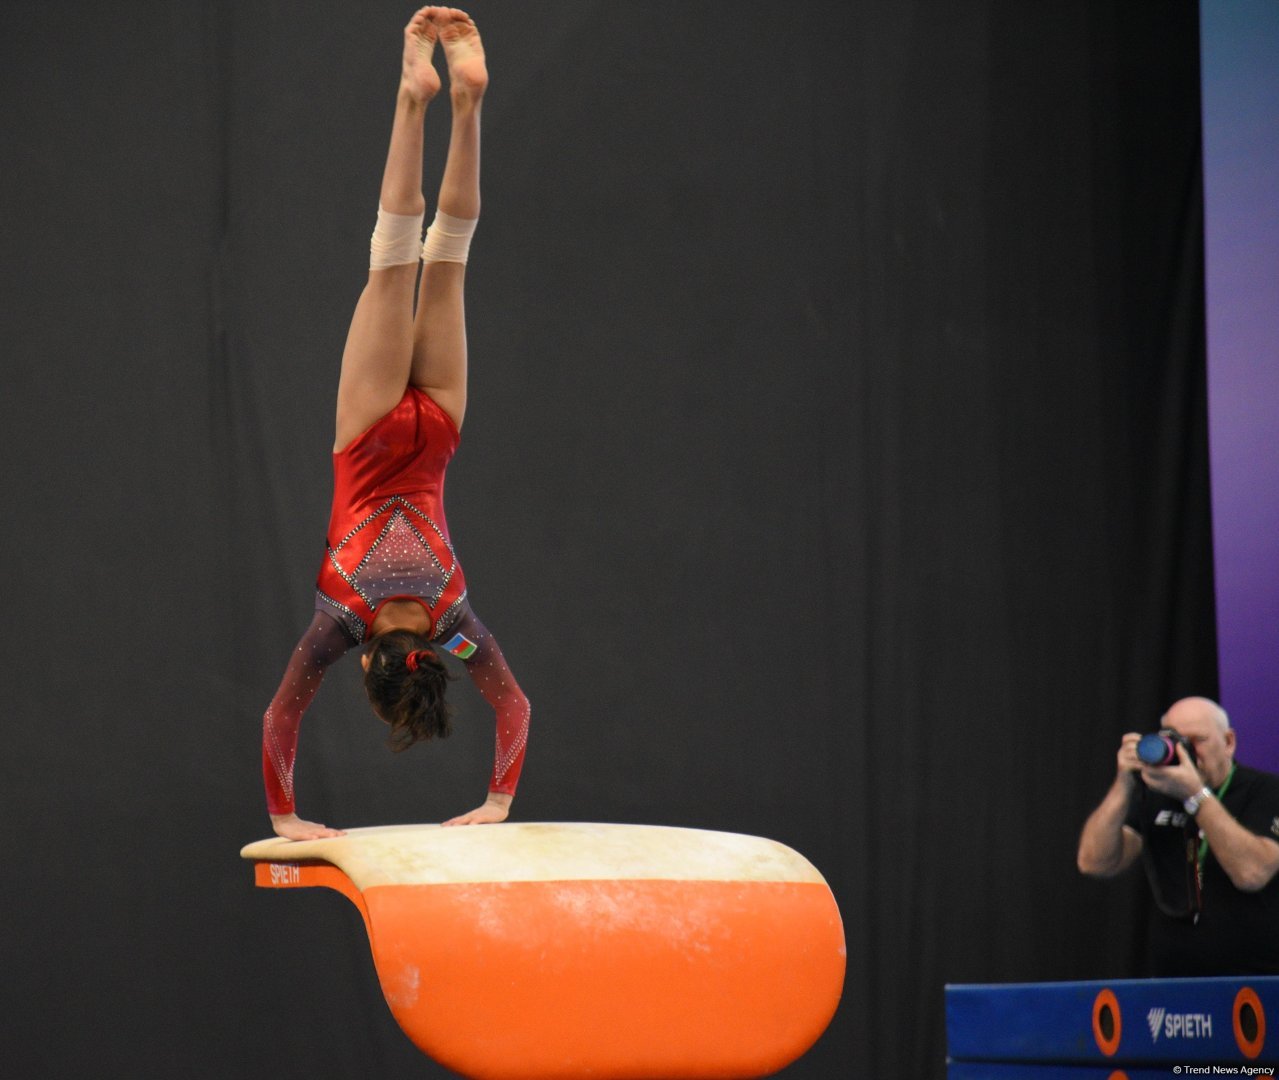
pixel 1156 749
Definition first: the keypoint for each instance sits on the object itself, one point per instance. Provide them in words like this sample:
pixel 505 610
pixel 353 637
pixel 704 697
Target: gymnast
pixel 390 579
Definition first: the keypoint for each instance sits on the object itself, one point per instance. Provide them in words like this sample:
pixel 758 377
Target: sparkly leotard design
pixel 387 539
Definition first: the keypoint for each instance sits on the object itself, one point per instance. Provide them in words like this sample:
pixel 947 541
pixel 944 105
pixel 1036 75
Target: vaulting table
pixel 521 951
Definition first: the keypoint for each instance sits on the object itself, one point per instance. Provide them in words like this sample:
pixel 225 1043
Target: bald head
pixel 1196 709
pixel 1207 726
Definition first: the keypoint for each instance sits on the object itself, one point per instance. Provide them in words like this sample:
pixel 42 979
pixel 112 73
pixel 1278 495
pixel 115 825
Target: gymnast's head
pixel 405 681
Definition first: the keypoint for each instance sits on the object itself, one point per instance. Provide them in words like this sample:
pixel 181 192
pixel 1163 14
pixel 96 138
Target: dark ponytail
pixel 405 682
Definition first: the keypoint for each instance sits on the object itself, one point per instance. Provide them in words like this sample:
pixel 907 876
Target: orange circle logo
pixel 1107 1025
pixel 1250 1023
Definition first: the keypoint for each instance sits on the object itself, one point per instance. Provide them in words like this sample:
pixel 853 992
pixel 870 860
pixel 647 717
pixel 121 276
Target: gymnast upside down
pixel 390 580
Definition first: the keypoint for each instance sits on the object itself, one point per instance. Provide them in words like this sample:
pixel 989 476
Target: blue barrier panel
pixel 1213 1022
pixel 988 1070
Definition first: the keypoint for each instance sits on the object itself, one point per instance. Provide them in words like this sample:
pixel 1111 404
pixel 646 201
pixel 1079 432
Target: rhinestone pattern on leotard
pixel 492 677
pixel 398 556
pixel 348 618
pixel 281 762
pixel 401 561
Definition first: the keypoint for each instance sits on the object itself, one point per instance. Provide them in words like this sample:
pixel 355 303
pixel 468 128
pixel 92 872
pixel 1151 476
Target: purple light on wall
pixel 1240 57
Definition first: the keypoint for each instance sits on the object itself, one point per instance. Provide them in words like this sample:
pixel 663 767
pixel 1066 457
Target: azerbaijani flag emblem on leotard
pixel 461 646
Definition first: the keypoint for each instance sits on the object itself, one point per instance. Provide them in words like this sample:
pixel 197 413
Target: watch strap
pixel 1197 800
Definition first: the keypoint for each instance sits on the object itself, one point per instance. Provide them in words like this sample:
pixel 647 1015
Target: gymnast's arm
pixel 323 643
pixel 492 677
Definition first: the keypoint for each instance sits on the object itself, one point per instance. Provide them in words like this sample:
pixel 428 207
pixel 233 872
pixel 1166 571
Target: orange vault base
pixel 619 952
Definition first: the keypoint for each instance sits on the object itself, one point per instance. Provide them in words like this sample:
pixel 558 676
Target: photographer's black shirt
pixel 1236 933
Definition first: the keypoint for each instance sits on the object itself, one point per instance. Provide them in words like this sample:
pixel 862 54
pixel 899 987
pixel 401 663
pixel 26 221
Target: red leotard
pixel 388 540
pixel 387 532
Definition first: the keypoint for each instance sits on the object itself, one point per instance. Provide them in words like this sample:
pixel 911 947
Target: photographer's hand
pixel 1178 781
pixel 1128 761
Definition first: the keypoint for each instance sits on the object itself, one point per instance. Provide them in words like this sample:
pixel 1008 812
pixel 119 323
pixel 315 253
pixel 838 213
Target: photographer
pixel 1207 830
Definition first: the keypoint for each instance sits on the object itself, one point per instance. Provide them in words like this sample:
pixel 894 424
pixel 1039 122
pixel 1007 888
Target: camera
pixel 1160 748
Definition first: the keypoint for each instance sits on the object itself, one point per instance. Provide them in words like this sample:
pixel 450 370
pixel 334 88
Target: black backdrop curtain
pixel 835 471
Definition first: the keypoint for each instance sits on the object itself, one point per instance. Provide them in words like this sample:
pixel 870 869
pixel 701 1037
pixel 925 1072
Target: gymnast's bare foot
pixel 464 53
pixel 292 827
pixel 418 78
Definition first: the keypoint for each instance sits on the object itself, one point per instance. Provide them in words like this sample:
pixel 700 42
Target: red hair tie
pixel 411 661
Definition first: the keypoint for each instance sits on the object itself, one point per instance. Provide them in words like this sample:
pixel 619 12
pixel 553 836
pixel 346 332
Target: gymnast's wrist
pixel 499 798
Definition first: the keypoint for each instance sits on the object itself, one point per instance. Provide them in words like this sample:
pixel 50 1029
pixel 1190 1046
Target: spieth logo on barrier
pixel 1178 1025
pixel 1155 1018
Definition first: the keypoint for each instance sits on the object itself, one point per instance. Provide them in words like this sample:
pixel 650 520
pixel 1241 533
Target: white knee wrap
pixel 448 239
pixel 395 240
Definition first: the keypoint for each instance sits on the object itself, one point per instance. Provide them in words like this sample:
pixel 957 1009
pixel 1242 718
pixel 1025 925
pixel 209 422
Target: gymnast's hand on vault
pixel 493 811
pixel 292 827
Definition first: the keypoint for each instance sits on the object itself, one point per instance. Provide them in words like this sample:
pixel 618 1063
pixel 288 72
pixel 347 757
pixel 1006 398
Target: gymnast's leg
pixel 439 332
pixel 379 344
